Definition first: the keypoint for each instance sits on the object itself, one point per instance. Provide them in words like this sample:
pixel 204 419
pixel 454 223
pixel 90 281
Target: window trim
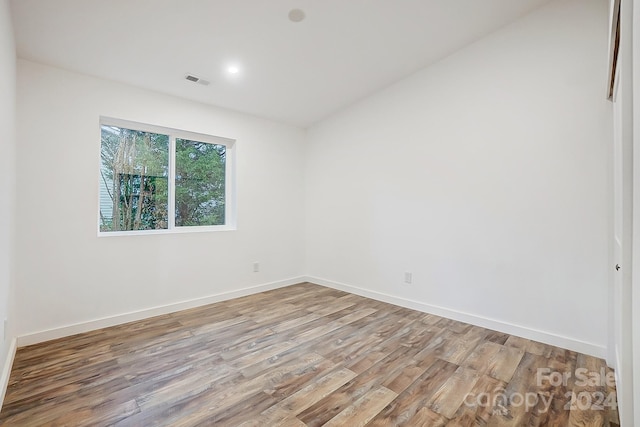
pixel 230 178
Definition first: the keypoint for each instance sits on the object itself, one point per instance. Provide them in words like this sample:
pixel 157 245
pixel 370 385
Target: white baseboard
pixel 6 369
pixel 485 322
pixel 68 330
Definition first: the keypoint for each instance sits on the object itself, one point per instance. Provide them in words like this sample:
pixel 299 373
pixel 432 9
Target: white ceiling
pixel 296 73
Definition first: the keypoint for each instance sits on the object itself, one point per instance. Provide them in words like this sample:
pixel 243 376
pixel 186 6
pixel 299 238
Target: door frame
pixel 624 303
pixel 635 78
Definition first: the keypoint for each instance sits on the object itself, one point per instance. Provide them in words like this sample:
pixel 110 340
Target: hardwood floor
pixel 304 355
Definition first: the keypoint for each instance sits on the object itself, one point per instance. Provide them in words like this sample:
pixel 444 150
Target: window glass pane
pixel 200 183
pixel 133 180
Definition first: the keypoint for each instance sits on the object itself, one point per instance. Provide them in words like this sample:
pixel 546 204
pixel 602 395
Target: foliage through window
pixel 160 179
pixel 200 183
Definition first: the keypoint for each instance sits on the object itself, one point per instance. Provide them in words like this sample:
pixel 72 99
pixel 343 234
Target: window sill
pixel 177 230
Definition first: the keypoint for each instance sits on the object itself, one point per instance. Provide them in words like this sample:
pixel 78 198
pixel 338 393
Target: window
pixel 155 179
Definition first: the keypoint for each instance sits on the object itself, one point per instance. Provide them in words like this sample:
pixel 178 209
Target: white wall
pixel 7 180
pixel 67 275
pixel 486 176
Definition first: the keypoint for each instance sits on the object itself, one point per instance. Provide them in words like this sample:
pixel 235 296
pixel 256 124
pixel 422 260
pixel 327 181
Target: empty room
pixel 306 213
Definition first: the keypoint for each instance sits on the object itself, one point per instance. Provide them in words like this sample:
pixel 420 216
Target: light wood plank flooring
pixel 304 355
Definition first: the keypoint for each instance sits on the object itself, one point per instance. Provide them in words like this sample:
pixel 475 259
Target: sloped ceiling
pixel 292 72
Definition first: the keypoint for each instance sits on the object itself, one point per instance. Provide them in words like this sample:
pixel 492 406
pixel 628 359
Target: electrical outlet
pixel 256 267
pixel 408 277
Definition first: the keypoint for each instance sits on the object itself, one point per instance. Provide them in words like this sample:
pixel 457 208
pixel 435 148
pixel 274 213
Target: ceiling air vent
pixel 196 79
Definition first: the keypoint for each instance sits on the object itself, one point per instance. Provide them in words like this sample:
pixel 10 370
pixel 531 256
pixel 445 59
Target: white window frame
pixel 230 182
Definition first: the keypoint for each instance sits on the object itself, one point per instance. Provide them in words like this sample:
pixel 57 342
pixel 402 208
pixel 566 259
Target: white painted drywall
pixel 485 175
pixel 7 188
pixel 67 275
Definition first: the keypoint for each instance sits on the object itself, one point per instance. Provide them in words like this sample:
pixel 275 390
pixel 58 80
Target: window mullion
pixel 172 182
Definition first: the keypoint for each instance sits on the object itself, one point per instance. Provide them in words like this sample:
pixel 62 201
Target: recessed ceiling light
pixel 233 69
pixel 296 15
